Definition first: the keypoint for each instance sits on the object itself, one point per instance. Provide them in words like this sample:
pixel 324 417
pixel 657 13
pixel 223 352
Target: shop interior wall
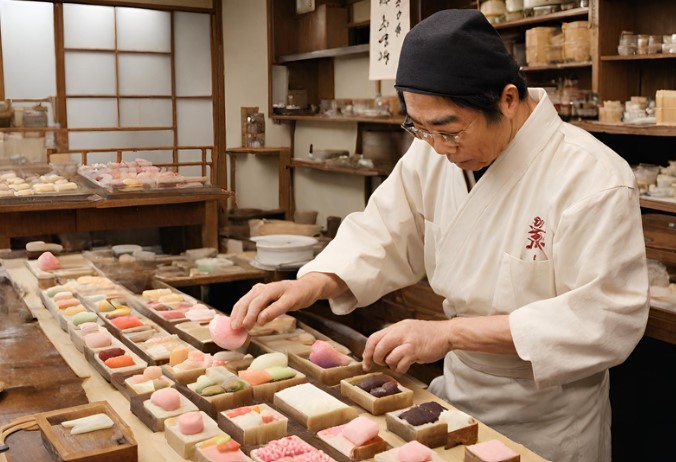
pixel 246 84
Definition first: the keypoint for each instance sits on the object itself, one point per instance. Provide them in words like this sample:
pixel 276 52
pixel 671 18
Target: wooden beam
pixel 60 112
pixel 2 74
pixel 218 93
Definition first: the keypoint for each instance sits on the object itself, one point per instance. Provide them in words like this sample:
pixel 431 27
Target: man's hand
pixel 407 342
pixel 264 302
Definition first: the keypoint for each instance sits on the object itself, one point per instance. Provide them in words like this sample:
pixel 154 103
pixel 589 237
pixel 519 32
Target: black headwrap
pixel 454 53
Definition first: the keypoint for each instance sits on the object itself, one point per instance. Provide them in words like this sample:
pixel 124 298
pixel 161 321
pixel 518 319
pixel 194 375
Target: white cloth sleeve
pixel 380 249
pixel 601 278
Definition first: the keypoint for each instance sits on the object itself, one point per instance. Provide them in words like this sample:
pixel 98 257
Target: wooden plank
pixel 60 112
pixel 625 129
pixel 142 216
pixel 14 224
pixel 662 325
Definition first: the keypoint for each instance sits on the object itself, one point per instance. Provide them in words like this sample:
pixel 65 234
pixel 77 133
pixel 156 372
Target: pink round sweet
pixel 138 378
pixel 153 372
pixel 413 451
pixel 191 423
pixel 224 335
pixel 98 339
pixel 168 399
pixel 48 262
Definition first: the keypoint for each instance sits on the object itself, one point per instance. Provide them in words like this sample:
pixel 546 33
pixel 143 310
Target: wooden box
pixel 122 383
pixel 212 405
pixel 376 406
pixel 304 407
pixel 203 454
pixel 432 434
pixel 153 416
pixel 184 445
pixel 92 356
pixel 333 437
pixel 197 334
pixel 115 444
pixel 182 377
pixel 391 456
pixel 328 376
pixel 261 434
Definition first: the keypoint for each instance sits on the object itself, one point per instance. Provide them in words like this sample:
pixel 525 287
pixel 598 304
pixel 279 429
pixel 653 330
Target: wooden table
pixel 97 213
pixel 36 377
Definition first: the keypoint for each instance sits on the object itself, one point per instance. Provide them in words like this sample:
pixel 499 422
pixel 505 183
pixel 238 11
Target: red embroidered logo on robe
pixel 536 238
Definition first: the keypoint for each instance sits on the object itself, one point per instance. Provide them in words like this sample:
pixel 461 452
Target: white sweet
pixel 88 424
pixel 310 400
pixel 455 419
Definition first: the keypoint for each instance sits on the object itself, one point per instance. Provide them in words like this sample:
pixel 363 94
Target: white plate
pixel 283 267
pixel 126 249
pixel 277 241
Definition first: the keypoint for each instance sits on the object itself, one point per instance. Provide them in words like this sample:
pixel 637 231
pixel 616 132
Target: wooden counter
pixel 55 386
pixel 36 379
pixel 96 213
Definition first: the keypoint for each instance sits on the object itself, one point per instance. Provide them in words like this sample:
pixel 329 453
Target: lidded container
pixel 576 41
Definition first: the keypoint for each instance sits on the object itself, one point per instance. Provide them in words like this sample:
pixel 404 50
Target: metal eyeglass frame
pixel 449 139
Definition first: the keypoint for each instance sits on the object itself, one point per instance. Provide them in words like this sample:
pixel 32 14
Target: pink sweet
pixel 325 355
pixel 413 451
pixel 168 399
pixel 224 335
pixel 153 372
pixel 48 262
pixel 492 451
pixel 138 378
pixel 360 430
pixel 67 302
pixel 171 315
pixel 200 313
pixel 87 328
pixel 214 455
pixel 98 339
pixel 191 423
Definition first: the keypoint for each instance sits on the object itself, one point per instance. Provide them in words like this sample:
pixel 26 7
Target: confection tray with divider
pixel 116 444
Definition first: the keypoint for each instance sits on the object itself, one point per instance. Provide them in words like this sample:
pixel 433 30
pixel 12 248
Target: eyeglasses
pixel 449 139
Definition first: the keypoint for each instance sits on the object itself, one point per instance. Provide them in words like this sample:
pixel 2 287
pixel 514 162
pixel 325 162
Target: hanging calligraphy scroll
pixel 390 21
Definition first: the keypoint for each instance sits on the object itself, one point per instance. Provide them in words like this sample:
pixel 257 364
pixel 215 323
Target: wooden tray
pixel 328 376
pixel 348 449
pixel 432 434
pixel 391 456
pixel 72 267
pixel 266 391
pixel 143 409
pixel 115 444
pixel 316 422
pixel 212 405
pixel 256 435
pixel 184 445
pixel 201 447
pixel 119 381
pixel 197 334
pixel 76 335
pixel 91 355
pixel 376 406
pixel 291 343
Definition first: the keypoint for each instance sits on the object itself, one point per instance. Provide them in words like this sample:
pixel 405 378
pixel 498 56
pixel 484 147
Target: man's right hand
pixel 264 302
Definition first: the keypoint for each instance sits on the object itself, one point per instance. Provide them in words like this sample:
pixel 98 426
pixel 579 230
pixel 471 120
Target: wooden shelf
pixel 354 50
pixel 323 166
pixel 638 57
pixel 663 206
pixel 532 20
pixel 359 24
pixel 547 67
pixel 256 151
pixel 398 120
pixel 661 325
pixel 624 129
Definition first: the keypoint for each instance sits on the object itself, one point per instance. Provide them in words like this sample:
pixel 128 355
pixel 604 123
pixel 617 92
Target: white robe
pixel 550 235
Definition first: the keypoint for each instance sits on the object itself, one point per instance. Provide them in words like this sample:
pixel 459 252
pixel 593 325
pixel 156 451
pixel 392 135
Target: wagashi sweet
pixel 48 262
pixel 325 355
pixel 490 451
pixel 224 335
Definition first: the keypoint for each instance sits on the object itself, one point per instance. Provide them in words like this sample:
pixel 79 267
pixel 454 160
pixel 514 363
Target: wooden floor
pixel 35 376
